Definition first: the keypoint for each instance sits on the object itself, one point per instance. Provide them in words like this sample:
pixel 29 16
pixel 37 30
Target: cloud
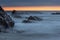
pixel 29 2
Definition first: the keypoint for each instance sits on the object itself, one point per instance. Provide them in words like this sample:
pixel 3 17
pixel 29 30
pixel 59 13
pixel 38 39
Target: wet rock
pixel 11 24
pixel 5 24
pixel 1 19
pixel 34 18
pixel 37 18
pixel 27 21
pixel 13 12
pixel 5 19
pixel 55 13
pixel 31 18
pixel 0 30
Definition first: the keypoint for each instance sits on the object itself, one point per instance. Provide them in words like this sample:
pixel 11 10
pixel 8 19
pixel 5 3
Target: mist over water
pixel 47 29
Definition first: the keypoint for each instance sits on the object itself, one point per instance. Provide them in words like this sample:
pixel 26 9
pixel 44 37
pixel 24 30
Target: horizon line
pixel 32 8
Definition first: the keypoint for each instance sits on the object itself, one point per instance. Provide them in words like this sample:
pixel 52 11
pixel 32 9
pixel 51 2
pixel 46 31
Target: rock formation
pixel 34 18
pixel 5 19
pixel 27 21
pixel 56 13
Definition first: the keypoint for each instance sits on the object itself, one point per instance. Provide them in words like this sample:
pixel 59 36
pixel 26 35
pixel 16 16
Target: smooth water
pixel 47 29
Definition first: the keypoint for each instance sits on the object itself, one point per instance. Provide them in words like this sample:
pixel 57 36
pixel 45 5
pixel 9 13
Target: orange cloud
pixel 33 8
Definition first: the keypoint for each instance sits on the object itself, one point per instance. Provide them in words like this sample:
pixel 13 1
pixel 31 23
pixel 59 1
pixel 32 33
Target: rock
pixel 55 13
pixel 5 24
pixel 26 21
pixel 31 18
pixel 0 30
pixel 13 12
pixel 1 19
pixel 5 18
pixel 11 24
pixel 37 18
pixel 34 18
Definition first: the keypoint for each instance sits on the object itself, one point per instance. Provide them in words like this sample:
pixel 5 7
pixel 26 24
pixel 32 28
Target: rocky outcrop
pixel 15 14
pixel 34 18
pixel 31 18
pixel 55 13
pixel 26 21
pixel 5 19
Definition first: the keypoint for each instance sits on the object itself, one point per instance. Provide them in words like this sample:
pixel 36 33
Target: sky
pixel 30 2
pixel 28 5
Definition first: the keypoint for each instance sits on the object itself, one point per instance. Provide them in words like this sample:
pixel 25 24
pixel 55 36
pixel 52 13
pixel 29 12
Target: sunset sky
pixel 31 5
pixel 33 8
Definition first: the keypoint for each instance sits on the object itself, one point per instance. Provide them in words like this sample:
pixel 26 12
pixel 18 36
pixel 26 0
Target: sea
pixel 46 29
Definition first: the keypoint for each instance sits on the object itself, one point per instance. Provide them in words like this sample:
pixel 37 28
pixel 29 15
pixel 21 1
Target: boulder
pixel 31 18
pixel 34 18
pixel 27 21
pixel 13 12
pixel 37 18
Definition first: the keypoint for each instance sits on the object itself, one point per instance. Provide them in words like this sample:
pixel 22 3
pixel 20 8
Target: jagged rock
pixel 5 19
pixel 37 18
pixel 11 24
pixel 31 18
pixel 1 19
pixel 34 18
pixel 26 21
pixel 5 24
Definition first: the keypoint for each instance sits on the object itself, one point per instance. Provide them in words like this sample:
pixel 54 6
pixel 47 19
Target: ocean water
pixel 47 29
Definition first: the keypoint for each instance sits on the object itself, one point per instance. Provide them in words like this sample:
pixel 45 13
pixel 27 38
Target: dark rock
pixel 1 19
pixel 34 18
pixel 5 19
pixel 9 21
pixel 14 11
pixel 37 18
pixel 55 13
pixel 4 23
pixel 0 30
pixel 11 24
pixel 31 18
pixel 15 14
pixel 26 21
pixel 1 9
